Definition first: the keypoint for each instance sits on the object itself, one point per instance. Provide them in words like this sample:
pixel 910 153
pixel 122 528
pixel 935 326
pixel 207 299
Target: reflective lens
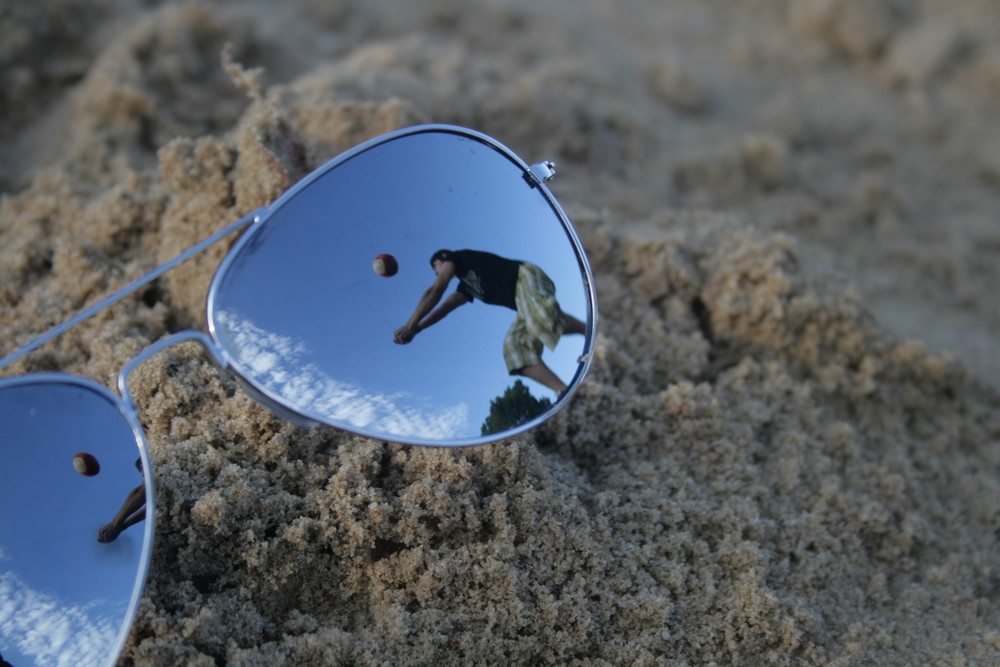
pixel 73 546
pixel 308 305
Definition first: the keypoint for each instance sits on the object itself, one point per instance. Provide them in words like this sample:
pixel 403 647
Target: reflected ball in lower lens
pixel 86 464
pixel 385 265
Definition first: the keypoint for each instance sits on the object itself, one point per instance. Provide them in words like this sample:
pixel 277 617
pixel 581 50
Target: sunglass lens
pixel 310 306
pixel 71 566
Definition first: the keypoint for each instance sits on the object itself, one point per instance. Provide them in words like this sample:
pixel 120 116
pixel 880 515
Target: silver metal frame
pixel 149 528
pixel 537 175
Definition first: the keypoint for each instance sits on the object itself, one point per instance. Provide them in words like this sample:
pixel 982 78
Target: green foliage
pixel 515 407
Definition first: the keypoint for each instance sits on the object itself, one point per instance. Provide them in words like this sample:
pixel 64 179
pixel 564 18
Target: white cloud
pixel 52 633
pixel 275 361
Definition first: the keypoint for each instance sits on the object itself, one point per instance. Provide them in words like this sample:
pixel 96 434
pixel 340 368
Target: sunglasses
pixel 423 288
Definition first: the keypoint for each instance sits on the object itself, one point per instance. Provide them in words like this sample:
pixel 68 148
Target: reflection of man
pixel 495 280
pixel 132 511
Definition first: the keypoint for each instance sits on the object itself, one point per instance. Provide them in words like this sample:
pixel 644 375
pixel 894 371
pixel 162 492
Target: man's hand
pixel 403 335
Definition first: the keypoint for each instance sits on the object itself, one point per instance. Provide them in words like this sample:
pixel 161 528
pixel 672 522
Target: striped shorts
pixel 540 320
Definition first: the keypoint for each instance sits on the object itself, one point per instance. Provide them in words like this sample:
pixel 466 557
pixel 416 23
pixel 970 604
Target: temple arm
pixel 131 287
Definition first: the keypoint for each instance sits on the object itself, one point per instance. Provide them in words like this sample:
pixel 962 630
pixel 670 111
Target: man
pixel 520 286
pixel 132 511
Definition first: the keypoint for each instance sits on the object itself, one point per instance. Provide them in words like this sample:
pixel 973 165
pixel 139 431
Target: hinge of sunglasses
pixel 539 173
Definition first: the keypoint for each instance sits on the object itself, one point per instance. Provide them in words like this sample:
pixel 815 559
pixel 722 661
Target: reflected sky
pixel 305 280
pixel 63 595
pixel 36 628
pixel 282 364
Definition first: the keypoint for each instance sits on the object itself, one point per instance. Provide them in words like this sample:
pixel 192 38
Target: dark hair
pixel 440 256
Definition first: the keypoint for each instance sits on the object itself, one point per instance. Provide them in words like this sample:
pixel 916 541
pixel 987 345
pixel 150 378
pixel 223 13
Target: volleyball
pixel 385 265
pixel 86 464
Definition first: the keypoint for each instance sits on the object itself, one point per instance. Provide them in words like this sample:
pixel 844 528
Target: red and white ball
pixel 385 265
pixel 86 464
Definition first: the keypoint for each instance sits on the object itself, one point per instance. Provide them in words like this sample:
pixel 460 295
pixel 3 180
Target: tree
pixel 515 407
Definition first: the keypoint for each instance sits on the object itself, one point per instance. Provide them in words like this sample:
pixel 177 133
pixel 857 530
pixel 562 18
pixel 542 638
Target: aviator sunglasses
pixel 423 288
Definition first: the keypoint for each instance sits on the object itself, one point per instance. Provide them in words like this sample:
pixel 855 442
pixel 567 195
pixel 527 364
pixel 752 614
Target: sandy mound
pixel 787 449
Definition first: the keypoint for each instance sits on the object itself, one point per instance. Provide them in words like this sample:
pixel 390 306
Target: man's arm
pixel 430 298
pixel 454 300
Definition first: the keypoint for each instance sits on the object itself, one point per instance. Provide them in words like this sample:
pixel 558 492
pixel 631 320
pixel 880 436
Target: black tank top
pixel 482 275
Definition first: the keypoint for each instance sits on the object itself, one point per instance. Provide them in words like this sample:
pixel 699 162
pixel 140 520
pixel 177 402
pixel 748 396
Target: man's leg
pixel 523 356
pixel 573 326
pixel 543 374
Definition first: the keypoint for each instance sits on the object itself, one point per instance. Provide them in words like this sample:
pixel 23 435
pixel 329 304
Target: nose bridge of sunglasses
pixel 220 361
pixel 159 346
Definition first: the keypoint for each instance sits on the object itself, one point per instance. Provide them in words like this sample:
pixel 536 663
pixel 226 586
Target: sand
pixel 787 449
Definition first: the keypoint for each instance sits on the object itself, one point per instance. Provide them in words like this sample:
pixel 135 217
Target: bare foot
pixel 108 533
